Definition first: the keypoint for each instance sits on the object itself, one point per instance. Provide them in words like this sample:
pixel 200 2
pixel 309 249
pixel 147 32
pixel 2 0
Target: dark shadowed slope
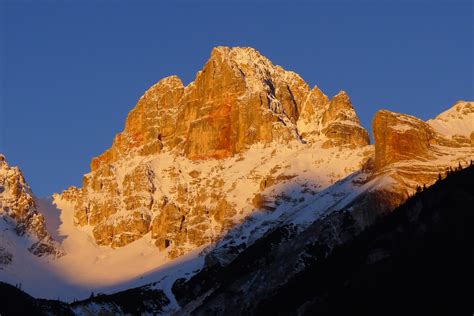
pixel 416 260
pixel 16 302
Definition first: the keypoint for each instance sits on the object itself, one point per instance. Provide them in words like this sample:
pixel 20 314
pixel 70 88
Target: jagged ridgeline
pixel 18 209
pixel 167 171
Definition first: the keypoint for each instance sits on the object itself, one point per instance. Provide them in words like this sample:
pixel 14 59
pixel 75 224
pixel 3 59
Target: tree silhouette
pixel 418 189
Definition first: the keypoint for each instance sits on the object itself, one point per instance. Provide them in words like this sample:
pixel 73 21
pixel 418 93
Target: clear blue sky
pixel 71 70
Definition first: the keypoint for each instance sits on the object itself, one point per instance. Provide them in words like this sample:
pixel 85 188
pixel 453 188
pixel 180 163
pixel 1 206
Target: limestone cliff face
pixel 399 137
pixel 333 121
pixel 417 152
pixel 238 100
pixel 149 126
pixel 18 206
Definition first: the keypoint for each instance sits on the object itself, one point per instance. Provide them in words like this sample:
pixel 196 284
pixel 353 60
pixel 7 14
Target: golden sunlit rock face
pixel 238 99
pixel 399 137
pixel 18 204
pixel 333 120
pixel 415 152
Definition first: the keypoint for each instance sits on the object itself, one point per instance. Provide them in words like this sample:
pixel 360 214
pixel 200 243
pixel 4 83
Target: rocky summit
pixel 19 216
pixel 238 100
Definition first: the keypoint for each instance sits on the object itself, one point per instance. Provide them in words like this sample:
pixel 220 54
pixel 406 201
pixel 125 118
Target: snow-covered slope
pixel 21 222
pixel 301 175
pixel 457 120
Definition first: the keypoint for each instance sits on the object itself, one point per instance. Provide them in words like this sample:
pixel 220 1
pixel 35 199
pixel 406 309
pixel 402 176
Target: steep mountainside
pixel 415 260
pixel 20 221
pixel 193 161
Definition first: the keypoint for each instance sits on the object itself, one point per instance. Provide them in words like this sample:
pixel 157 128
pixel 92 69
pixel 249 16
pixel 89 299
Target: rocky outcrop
pixel 18 206
pixel 399 137
pixel 239 98
pixel 333 121
pixel 149 126
pixel 341 125
pixel 417 153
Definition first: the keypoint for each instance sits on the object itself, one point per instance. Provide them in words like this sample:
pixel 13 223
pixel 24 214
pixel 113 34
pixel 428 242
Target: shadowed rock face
pixel 237 100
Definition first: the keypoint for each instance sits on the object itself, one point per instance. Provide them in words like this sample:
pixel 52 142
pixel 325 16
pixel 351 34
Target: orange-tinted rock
pixel 332 121
pixel 150 125
pixel 341 124
pixel 237 100
pixel 400 137
pixel 18 204
pixel 413 153
pixel 309 121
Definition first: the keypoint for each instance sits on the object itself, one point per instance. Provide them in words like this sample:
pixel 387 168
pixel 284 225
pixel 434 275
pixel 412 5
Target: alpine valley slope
pixel 245 152
pixel 417 258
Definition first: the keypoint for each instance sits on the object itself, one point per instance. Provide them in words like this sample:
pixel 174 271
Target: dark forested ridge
pixel 415 260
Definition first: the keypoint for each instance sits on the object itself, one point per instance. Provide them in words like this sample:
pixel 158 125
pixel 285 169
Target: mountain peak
pixel 239 99
pixel 18 208
pixel 342 94
pixel 458 120
pixel 236 53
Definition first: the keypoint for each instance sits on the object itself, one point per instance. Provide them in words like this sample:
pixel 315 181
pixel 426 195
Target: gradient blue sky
pixel 70 71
